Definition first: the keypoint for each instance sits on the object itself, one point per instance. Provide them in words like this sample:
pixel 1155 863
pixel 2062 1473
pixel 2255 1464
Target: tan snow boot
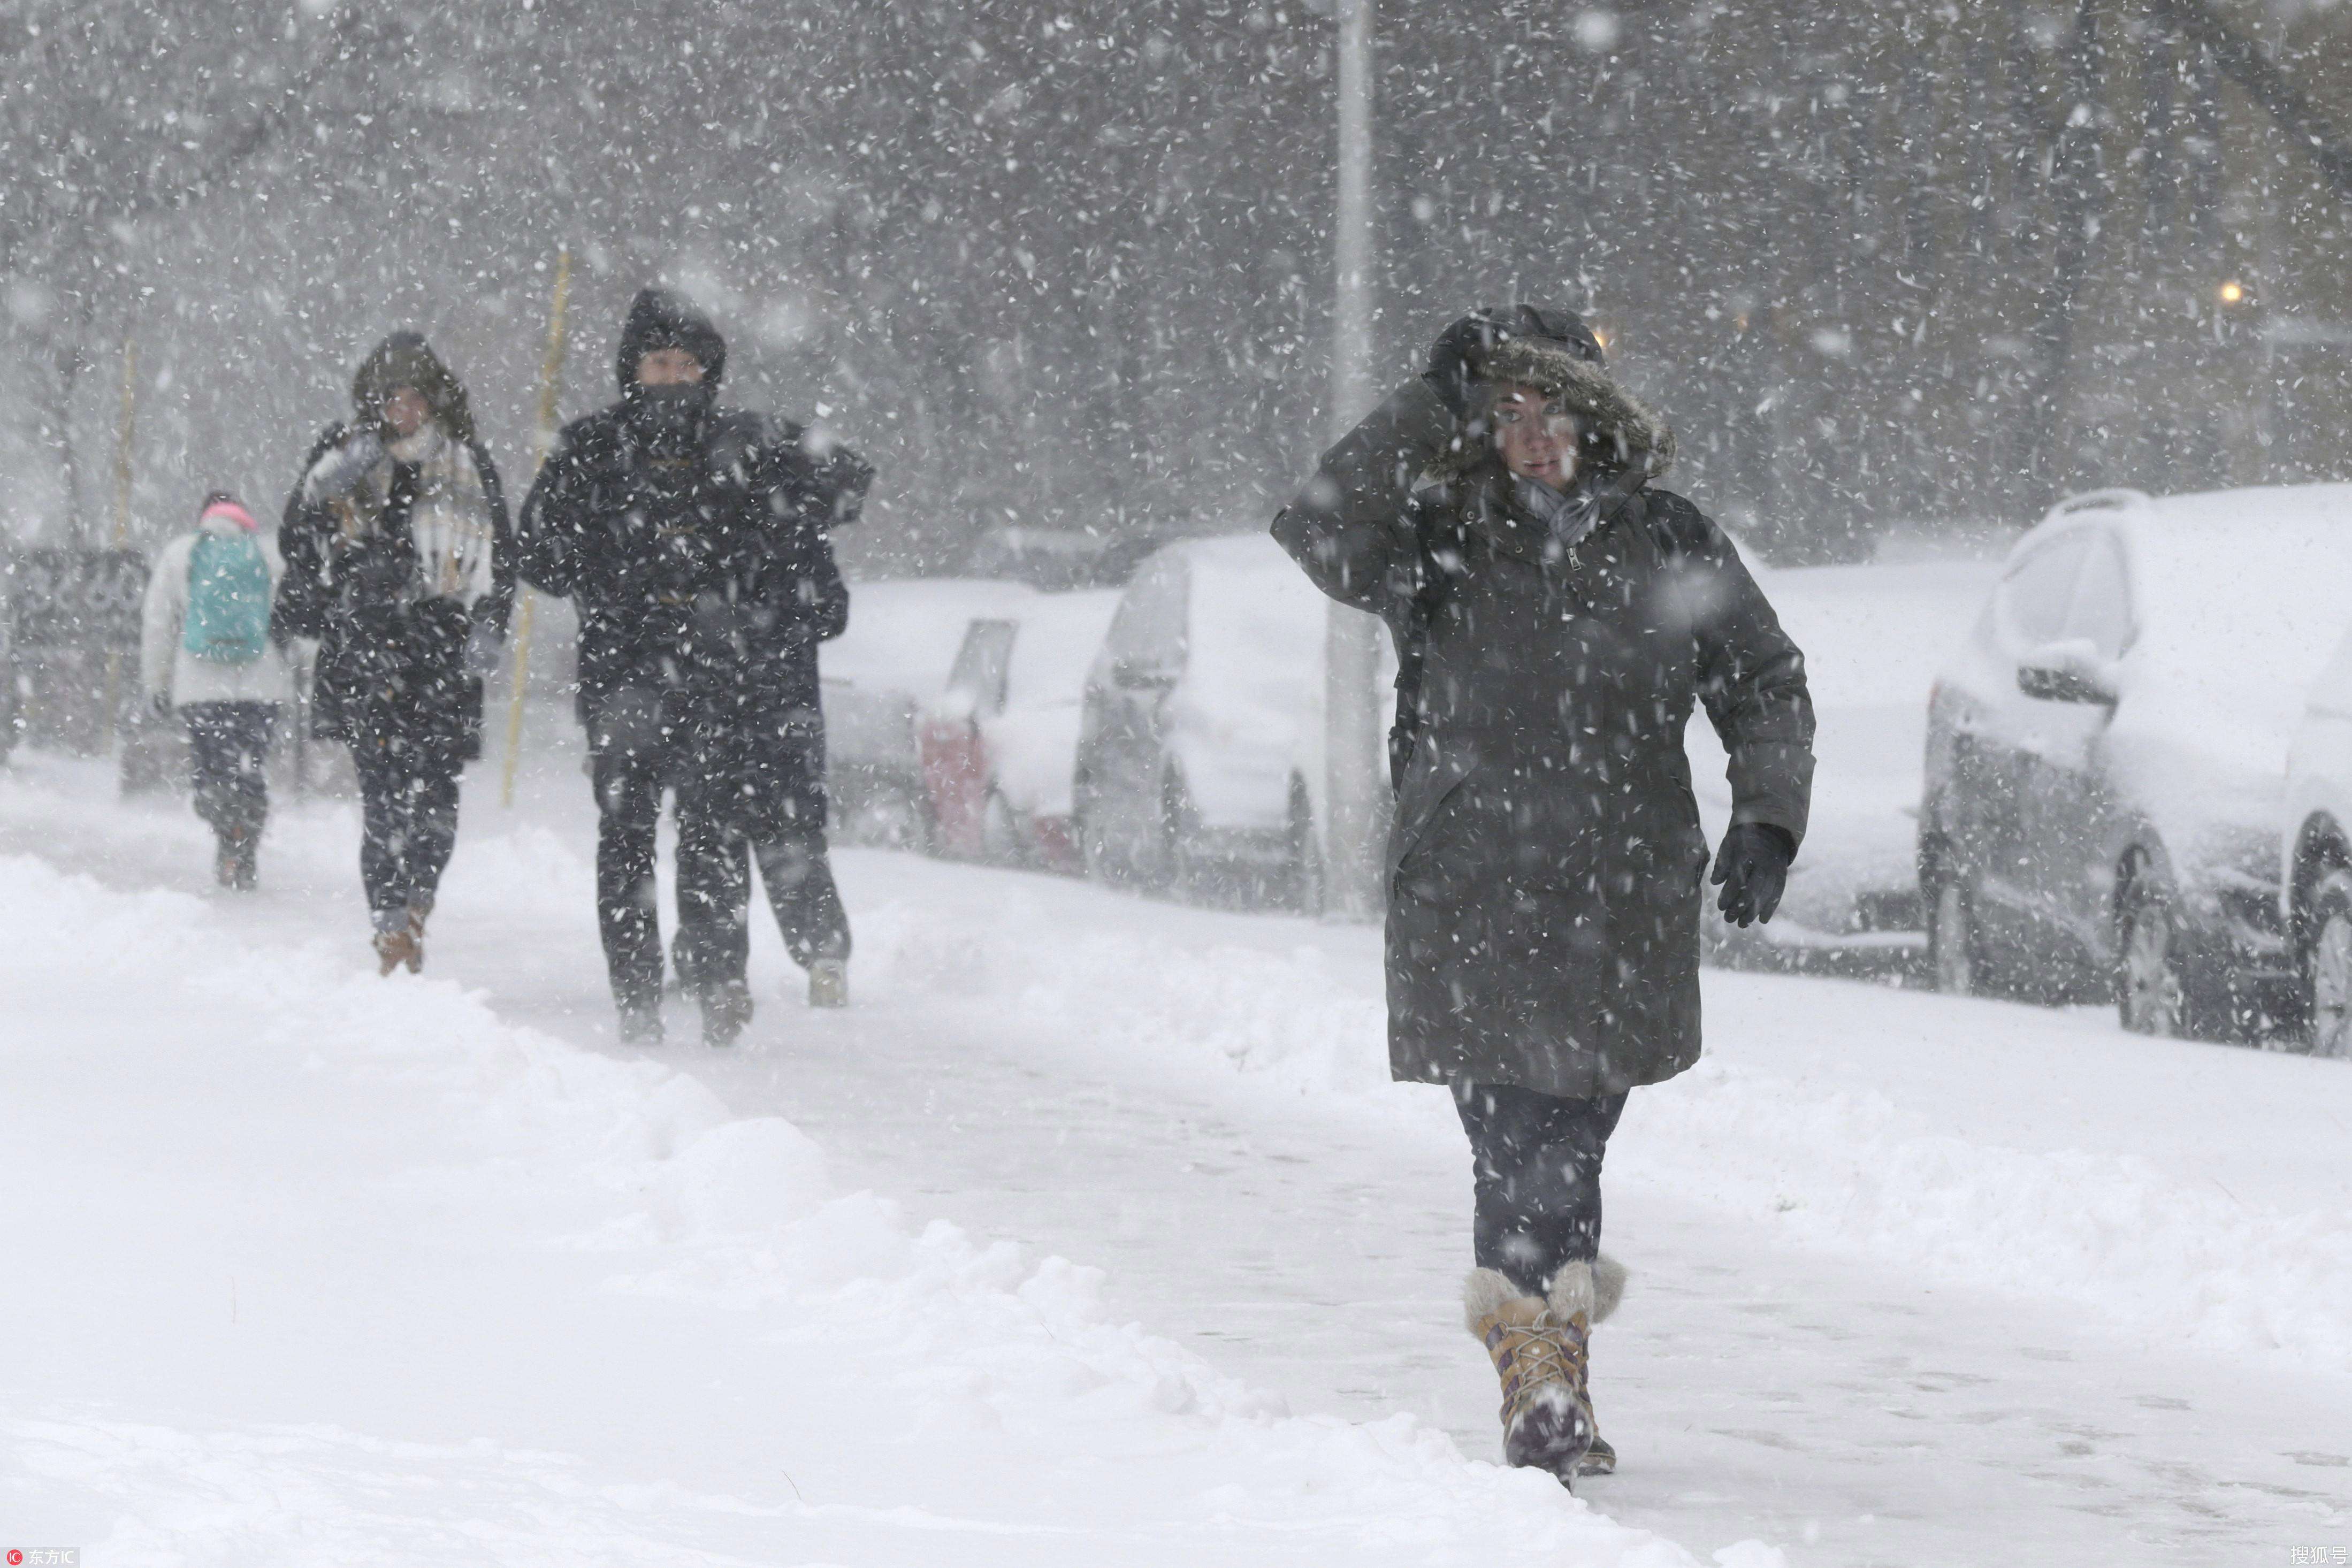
pixel 417 916
pixel 1608 1287
pixel 1537 1346
pixel 395 946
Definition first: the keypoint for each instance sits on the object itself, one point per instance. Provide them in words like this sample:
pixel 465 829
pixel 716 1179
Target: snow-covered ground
pixel 323 1268
pixel 1094 1231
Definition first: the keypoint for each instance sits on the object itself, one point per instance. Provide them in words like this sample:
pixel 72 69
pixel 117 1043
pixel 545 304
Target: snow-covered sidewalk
pixel 306 1267
pixel 1918 1282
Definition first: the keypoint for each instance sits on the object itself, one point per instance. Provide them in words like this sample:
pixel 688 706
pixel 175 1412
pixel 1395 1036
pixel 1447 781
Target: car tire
pixel 1955 951
pixel 1179 871
pixel 2328 967
pixel 2156 992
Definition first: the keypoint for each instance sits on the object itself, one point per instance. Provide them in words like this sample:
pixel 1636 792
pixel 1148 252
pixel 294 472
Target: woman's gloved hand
pixel 1457 360
pixel 1752 869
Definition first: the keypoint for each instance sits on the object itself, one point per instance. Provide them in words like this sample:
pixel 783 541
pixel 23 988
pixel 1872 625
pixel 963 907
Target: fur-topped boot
pixel 1540 1347
pixel 1608 1289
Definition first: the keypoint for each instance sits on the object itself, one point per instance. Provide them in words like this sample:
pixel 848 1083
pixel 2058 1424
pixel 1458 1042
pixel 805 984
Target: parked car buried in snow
pixel 1201 760
pixel 2316 866
pixel 999 747
pixel 2107 755
pixel 878 676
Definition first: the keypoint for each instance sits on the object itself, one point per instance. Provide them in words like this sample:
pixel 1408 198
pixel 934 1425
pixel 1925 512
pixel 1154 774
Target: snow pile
pixel 2005 1147
pixel 359 1273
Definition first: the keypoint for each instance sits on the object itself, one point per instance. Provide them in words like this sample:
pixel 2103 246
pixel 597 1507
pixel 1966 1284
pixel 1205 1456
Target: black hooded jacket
pixel 701 565
pixel 391 646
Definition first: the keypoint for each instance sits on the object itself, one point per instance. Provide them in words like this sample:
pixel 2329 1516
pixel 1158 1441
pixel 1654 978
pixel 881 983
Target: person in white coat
pixel 204 651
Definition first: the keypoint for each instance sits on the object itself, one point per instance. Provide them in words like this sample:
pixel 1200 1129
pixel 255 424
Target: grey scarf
pixel 1567 515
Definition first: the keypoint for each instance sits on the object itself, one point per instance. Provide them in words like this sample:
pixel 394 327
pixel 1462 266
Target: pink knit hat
pixel 221 504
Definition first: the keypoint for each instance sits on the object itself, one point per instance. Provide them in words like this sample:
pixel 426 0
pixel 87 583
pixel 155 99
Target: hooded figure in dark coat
pixel 400 563
pixel 694 541
pixel 1558 618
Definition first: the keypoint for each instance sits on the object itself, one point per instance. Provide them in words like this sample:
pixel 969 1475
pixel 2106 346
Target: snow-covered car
pixel 1201 755
pixel 999 747
pixel 2106 754
pixel 2315 871
pixel 878 675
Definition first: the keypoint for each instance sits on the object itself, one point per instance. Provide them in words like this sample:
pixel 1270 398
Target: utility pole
pixel 550 388
pixel 1353 778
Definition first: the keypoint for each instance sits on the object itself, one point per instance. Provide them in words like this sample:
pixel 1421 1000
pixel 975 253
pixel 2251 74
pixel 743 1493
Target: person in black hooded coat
pixel 1559 615
pixel 401 565
pixel 692 540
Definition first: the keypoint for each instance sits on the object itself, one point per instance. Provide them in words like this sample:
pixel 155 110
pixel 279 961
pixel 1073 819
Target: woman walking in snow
pixel 1556 617
pixel 400 561
pixel 204 651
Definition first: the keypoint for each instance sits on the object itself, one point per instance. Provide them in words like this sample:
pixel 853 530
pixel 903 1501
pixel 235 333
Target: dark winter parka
pixel 399 560
pixel 1544 870
pixel 699 559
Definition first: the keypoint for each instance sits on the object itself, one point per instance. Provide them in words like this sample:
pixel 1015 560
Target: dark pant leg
pixel 627 767
pixel 230 746
pixel 797 871
pixel 430 830
pixel 383 823
pixel 1536 1166
pixel 210 761
pixel 714 888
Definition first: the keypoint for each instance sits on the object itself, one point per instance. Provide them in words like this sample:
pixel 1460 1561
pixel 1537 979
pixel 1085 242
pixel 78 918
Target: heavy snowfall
pixel 702 863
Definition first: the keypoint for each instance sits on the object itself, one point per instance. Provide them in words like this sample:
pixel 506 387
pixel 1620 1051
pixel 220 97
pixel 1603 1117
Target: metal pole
pixel 551 382
pixel 125 433
pixel 1353 779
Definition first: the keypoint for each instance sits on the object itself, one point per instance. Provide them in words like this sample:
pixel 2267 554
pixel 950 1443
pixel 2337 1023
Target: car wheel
pixel 1180 869
pixel 2151 992
pixel 1952 943
pixel 2328 967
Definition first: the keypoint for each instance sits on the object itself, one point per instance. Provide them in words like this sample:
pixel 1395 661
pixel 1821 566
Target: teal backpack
pixel 229 600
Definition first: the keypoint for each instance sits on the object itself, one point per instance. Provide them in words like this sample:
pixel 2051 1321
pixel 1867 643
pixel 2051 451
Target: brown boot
pixel 1538 1349
pixel 416 914
pixel 395 946
pixel 726 1010
pixel 234 859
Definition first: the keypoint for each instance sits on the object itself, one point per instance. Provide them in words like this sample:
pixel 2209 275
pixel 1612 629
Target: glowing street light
pixel 2233 292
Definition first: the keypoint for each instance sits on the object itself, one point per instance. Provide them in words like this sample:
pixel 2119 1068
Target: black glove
pixel 1457 360
pixel 1752 869
pixel 161 703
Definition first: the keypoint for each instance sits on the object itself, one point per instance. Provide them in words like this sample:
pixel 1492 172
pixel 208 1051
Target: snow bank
pixel 2004 1147
pixel 506 1300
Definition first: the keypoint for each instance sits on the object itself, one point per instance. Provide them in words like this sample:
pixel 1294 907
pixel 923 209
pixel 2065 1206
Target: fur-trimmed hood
pixel 405 360
pixel 1620 435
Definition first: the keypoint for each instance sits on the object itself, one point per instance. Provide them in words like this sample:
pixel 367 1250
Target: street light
pixel 1352 731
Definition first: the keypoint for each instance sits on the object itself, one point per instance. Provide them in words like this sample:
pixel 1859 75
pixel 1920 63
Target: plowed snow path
pixel 1901 1263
